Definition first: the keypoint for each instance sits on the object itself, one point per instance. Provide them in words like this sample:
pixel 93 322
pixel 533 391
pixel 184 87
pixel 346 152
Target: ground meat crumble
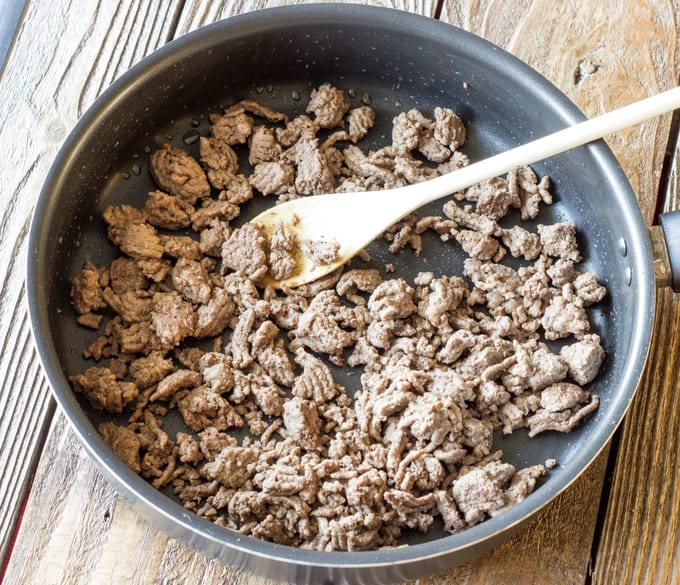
pixel 443 361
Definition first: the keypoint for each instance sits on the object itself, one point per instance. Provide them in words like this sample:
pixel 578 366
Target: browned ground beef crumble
pixel 444 361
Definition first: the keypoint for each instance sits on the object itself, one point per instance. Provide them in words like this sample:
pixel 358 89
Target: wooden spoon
pixel 353 220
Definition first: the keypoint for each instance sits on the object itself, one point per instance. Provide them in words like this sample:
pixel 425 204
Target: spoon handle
pixel 551 144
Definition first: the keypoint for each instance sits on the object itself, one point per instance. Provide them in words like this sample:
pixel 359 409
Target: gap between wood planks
pixel 672 150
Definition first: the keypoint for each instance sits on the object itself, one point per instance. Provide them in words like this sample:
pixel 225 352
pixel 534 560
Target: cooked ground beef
pixel 185 325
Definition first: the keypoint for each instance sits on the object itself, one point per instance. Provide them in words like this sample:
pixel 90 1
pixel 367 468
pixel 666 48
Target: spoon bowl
pixel 350 221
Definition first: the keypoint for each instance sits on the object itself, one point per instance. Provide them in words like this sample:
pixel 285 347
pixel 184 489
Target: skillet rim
pixel 206 536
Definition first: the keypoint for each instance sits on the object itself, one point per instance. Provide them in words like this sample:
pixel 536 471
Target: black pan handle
pixel 670 225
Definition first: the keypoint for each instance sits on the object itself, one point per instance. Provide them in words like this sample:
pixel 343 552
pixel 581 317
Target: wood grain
pixel 602 55
pixel 641 528
pixel 75 529
pixel 48 85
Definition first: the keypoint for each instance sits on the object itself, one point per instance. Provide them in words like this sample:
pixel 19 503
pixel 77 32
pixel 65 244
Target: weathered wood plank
pixel 106 542
pixel 196 14
pixel 641 527
pixel 44 88
pixel 602 55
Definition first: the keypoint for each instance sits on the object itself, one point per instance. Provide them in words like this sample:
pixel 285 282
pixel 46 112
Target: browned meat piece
pixel 361 165
pixel 295 129
pixel 172 318
pixel 124 443
pixel 86 290
pixel 412 511
pixel 128 230
pixel 524 184
pixel 133 306
pixel 407 128
pixel 521 242
pixel 181 247
pixel 358 279
pixel 318 329
pixel 302 422
pixel 281 257
pixel 583 358
pixel 471 220
pixel 232 467
pixel 328 104
pixel 213 237
pixel 316 381
pixel 392 299
pixel 445 294
pixel 588 289
pixel 268 396
pixel 562 272
pixel 154 268
pixel 479 492
pixel 213 317
pixel 211 211
pixel 359 121
pixel 167 211
pixel 263 146
pixel 564 317
pixel 480 246
pixel 245 251
pixel 493 198
pixel 272 177
pixel 257 109
pixel 91 320
pixel 147 371
pixel 313 172
pixel 409 169
pixel 173 383
pixel 449 128
pixel 232 128
pixel 202 408
pixel 562 396
pixel 321 252
pixel 189 450
pixel 103 391
pixel 274 361
pixel 431 148
pixel 192 281
pixel 237 191
pixel 563 421
pixel 217 155
pixel 559 241
pixel 126 275
pixel 176 172
pixel 217 371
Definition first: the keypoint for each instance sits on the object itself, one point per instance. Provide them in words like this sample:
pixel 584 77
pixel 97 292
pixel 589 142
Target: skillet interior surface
pixel 395 62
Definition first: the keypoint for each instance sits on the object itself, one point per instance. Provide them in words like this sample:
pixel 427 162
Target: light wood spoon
pixel 353 220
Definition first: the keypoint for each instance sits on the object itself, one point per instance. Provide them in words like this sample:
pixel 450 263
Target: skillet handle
pixel 670 226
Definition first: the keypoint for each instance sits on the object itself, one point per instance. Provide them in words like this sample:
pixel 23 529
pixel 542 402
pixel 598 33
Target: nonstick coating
pixel 396 61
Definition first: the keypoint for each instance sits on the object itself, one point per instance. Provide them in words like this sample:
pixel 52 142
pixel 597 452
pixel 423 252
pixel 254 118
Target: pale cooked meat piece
pixel 328 104
pixel 449 129
pixel 272 177
pixel 245 251
pixel 172 318
pixel 263 146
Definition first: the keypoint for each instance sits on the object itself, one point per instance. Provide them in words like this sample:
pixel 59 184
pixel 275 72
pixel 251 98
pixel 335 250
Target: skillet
pixel 395 61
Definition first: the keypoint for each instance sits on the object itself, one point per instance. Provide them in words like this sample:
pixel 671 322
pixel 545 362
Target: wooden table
pixel 60 522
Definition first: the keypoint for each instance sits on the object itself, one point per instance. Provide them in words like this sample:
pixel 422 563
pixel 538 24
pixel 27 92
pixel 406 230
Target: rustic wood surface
pixel 75 529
